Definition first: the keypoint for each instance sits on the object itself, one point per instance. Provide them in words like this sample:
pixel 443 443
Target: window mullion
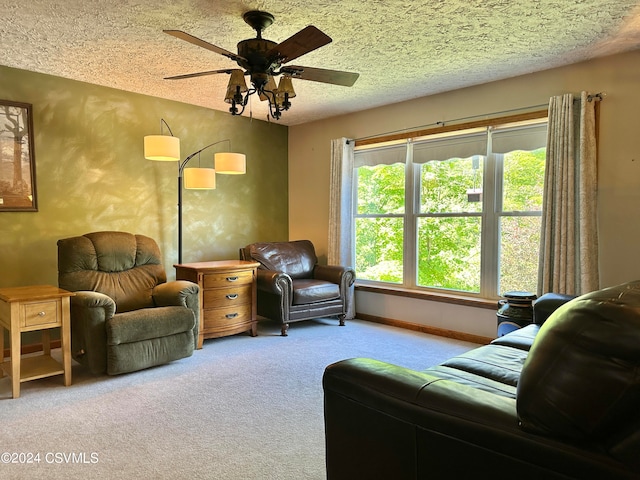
pixel 411 207
pixel 490 236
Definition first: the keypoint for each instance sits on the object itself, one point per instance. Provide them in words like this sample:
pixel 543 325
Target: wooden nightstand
pixel 227 296
pixel 28 309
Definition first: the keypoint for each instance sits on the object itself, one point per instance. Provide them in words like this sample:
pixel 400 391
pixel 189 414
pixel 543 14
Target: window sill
pixel 431 296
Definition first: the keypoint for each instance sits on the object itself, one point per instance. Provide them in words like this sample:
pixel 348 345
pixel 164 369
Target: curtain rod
pixel 596 96
pixel 441 124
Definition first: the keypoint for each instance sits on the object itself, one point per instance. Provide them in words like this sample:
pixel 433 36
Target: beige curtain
pixel 340 245
pixel 569 237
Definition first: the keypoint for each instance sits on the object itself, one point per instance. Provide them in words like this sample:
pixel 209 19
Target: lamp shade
pixel 231 163
pixel 199 178
pixel 236 80
pixel 163 148
pixel 270 86
pixel 286 86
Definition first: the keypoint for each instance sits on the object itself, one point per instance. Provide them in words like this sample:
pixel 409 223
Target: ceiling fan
pixel 262 60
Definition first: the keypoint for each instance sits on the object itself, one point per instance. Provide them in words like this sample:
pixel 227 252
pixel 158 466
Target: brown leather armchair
pixel 293 287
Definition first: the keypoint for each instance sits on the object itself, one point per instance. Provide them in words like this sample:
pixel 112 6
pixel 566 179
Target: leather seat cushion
pixel 311 291
pixel 522 338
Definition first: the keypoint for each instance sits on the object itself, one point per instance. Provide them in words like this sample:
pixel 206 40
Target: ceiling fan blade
pixel 305 41
pixel 335 77
pixel 201 43
pixel 199 74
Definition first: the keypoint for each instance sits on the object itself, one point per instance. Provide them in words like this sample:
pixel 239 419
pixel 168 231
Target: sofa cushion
pixel 521 339
pixel 297 258
pixel 148 323
pixel 581 379
pixel 308 290
pixel 492 368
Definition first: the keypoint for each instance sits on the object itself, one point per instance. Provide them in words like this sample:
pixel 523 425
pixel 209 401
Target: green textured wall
pixel 91 175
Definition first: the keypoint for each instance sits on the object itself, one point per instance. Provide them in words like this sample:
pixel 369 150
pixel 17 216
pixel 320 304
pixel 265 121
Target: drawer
pixel 227 279
pixel 38 314
pixel 226 297
pixel 224 318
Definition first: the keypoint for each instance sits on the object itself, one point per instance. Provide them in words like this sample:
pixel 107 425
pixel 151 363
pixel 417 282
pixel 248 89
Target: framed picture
pixel 17 160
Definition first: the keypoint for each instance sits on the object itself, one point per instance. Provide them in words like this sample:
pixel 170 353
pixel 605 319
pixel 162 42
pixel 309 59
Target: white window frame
pixel 491 213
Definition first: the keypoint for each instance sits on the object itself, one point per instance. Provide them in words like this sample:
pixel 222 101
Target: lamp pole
pixel 181 167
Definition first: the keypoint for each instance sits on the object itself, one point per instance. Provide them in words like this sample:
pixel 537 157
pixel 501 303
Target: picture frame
pixel 17 158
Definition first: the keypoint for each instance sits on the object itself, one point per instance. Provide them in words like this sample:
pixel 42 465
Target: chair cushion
pixel 312 291
pixel 297 259
pixel 129 357
pixel 148 323
pixel 581 379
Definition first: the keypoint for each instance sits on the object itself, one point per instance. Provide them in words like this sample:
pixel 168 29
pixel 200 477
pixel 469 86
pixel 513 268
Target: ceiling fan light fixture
pixel 286 86
pixel 285 92
pixel 270 88
pixel 263 60
pixel 236 87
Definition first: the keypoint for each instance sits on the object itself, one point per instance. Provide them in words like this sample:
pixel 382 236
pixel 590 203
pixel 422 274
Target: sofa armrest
pixel 89 313
pixel 181 293
pixel 548 303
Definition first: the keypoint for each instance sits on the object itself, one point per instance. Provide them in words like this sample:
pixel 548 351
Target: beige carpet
pixel 240 408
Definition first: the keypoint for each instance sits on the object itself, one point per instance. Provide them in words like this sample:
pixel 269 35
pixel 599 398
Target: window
pixel 459 211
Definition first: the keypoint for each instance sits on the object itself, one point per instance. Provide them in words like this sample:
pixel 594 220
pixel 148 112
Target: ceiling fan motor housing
pixel 257 64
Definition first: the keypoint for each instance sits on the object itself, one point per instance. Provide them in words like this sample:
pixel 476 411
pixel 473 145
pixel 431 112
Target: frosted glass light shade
pixel 162 148
pixel 269 87
pixel 199 178
pixel 286 86
pixel 236 80
pixel 231 163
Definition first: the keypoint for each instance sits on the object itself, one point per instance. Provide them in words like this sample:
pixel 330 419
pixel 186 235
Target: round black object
pixel 515 312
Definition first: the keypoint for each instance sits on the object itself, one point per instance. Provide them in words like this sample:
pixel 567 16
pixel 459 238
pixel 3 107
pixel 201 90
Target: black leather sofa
pixel 557 399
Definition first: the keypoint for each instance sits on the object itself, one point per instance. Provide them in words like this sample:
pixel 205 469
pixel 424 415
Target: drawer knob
pixel 41 314
pixel 232 279
pixel 232 296
pixel 231 315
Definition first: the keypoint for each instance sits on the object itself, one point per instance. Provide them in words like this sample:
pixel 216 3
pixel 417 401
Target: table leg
pixel 15 361
pixel 46 342
pixel 65 340
pixel 1 350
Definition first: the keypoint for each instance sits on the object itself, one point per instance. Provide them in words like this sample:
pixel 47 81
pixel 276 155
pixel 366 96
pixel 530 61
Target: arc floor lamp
pixel 166 148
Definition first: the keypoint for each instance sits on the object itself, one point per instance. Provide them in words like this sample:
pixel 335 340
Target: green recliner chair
pixel 125 316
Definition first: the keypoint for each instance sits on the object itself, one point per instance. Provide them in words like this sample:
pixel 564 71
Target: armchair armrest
pixel 93 306
pixel 343 276
pixel 89 313
pixel 176 293
pixel 277 283
pixel 181 293
pixel 548 303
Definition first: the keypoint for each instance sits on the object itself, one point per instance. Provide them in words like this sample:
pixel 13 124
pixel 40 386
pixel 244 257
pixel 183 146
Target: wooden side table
pixel 228 296
pixel 28 309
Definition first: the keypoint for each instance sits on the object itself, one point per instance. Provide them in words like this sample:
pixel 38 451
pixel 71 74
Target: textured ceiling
pixel 402 49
